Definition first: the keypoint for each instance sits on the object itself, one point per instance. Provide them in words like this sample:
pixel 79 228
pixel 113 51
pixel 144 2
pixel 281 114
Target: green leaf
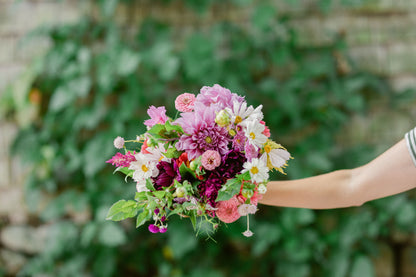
pixel 157 130
pixel 159 194
pixel 111 234
pixel 172 153
pixel 142 218
pixel 128 62
pixel 362 267
pixel 186 171
pixel 230 188
pixel 149 185
pixel 122 209
pixel 192 217
pixel 170 127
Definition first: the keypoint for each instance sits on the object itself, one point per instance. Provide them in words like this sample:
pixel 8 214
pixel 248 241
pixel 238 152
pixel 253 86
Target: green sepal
pixel 192 217
pixel 184 170
pixel 122 209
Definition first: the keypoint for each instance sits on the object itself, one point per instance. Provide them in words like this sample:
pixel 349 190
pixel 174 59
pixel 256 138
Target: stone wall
pixel 381 35
pixel 17 18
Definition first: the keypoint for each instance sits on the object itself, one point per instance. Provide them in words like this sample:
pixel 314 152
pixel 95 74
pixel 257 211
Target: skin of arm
pixel 390 173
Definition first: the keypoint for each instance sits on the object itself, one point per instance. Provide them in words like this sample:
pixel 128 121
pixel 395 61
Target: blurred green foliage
pixel 96 82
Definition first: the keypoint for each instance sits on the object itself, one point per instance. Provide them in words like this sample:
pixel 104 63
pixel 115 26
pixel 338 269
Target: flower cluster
pixel 211 163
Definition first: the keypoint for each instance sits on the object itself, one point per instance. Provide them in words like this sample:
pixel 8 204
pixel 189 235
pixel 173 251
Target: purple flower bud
pixel 163 218
pixel 163 229
pixel 156 211
pixel 153 228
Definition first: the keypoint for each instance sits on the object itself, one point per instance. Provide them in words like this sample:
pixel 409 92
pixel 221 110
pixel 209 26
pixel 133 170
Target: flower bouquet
pixel 211 164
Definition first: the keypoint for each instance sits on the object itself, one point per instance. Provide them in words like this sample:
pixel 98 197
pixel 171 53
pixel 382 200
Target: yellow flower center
pixel 238 119
pixel 254 170
pixel 208 139
pixel 144 168
pixel 267 149
pixel 252 135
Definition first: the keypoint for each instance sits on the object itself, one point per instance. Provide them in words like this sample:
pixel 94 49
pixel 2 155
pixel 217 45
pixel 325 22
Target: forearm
pixel 325 191
pixel 390 173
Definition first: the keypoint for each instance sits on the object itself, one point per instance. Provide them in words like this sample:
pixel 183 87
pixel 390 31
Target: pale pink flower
pixel 118 142
pixel 185 102
pixel 157 116
pixel 211 159
pixel 246 209
pixel 248 233
pixel 228 210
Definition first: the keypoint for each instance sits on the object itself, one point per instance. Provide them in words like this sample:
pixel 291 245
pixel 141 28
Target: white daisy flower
pixel 262 189
pixel 141 185
pixel 240 112
pixel 275 156
pixel 143 167
pixel 254 133
pixel 157 153
pixel 259 172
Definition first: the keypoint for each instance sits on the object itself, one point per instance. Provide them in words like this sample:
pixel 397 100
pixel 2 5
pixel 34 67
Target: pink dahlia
pixel 211 159
pixel 202 133
pixel 185 102
pixel 217 96
pixel 157 116
pixel 227 211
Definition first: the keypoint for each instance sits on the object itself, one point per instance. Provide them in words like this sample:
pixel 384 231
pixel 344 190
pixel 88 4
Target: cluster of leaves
pixel 96 82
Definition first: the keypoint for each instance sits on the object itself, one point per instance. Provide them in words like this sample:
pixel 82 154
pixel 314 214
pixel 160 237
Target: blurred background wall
pixel 380 39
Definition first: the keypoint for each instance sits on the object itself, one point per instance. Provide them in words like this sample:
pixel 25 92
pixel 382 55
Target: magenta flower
pixel 185 102
pixel 217 96
pixel 167 173
pixel 211 159
pixel 202 133
pixel 122 160
pixel 157 116
pixel 153 229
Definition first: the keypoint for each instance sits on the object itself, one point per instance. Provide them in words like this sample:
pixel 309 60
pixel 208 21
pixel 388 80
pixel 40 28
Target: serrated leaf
pixel 149 185
pixel 172 153
pixel 170 127
pixel 142 218
pixel 122 209
pixel 230 188
pixel 156 130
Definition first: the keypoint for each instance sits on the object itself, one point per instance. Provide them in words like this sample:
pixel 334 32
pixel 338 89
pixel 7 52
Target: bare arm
pixel 390 173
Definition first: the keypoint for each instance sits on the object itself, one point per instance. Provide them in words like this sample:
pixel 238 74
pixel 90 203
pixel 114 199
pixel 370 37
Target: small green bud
pixel 222 118
pixel 247 193
pixel 180 192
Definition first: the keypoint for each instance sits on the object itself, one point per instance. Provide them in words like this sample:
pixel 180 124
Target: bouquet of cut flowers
pixel 211 164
